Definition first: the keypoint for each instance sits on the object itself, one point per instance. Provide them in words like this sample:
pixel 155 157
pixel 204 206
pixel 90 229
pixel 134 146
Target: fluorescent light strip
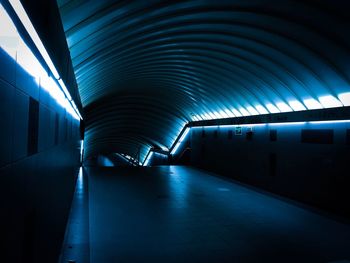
pixel 182 138
pixel 244 112
pixel 272 124
pixel 128 157
pixel 230 114
pixel 148 158
pixel 252 111
pixel 296 105
pixel 287 123
pixel 261 109
pixel 328 122
pixel 12 43
pixel 174 150
pixel 329 102
pixel 272 108
pixel 230 125
pixel 164 148
pixel 236 113
pixel 159 153
pixel 312 104
pixel 283 107
pixel 81 150
pixel 223 114
pixel 23 17
pixel 345 98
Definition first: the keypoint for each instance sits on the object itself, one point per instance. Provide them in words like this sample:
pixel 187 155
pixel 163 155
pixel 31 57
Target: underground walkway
pixel 181 214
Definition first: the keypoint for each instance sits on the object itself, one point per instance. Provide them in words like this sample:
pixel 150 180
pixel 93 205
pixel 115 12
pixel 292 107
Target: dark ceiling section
pixel 145 68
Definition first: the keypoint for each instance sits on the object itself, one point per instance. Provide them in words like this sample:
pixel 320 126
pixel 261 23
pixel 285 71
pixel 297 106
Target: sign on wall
pixel 238 130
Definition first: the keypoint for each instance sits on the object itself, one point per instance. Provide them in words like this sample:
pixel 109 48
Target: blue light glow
pixel 312 104
pixel 182 138
pixel 13 44
pixel 230 126
pixel 236 113
pixel 296 105
pixel 244 112
pixel 252 111
pixel 283 107
pixel 217 115
pixel 81 150
pixel 223 114
pixel 148 159
pixel 287 123
pixel 328 122
pixel 261 109
pixel 345 98
pixel 329 102
pixel 230 114
pixel 272 108
pixel 195 118
pixel 131 159
pixel 164 148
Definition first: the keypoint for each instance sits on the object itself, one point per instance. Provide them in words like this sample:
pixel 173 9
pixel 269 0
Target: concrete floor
pixel 181 214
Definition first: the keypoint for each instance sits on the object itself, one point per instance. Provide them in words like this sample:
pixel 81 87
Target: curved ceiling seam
pixel 313 72
pixel 156 100
pixel 230 72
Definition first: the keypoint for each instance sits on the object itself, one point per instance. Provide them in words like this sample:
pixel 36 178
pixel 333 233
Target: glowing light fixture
pixel 207 116
pixel 81 150
pixel 261 109
pixel 13 44
pixel 22 15
pixel 327 122
pixel 252 111
pixel 164 148
pixel 272 108
pixel 230 113
pixel 283 107
pixel 244 112
pixel 296 105
pixel 217 115
pixel 182 138
pixel 312 104
pixel 236 113
pixel 287 123
pixel 223 114
pixel 345 98
pixel 329 102
pixel 150 154
pixel 194 117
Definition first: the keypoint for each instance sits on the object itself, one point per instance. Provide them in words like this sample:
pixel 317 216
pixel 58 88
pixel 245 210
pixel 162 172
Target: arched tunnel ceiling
pixel 145 68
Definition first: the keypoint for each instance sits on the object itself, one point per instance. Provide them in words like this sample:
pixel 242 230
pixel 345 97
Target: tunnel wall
pixel 306 162
pixel 39 160
pixel 158 159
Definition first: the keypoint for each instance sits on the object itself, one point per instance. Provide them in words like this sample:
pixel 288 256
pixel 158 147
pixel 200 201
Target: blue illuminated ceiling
pixel 145 68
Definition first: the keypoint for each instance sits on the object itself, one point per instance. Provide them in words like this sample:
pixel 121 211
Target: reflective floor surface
pixel 181 214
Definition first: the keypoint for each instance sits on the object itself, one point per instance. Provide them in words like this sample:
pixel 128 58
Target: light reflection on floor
pixel 181 214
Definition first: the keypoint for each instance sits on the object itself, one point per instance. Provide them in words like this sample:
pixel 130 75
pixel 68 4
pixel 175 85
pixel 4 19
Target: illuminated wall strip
pixel 188 129
pixel 148 158
pixel 322 102
pixel 128 158
pixel 23 17
pixel 183 137
pixel 81 150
